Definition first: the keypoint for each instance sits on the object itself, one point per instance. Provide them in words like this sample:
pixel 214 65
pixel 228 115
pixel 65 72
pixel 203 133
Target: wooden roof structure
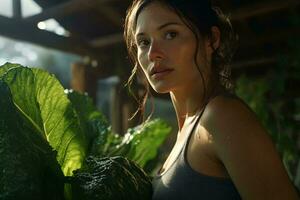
pixel 96 28
pixel 96 32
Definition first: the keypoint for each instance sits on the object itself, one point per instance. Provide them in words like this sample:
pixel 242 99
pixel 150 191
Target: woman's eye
pixel 170 35
pixel 142 42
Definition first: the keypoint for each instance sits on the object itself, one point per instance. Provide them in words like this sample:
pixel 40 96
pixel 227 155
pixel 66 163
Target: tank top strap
pixel 196 123
pixel 192 130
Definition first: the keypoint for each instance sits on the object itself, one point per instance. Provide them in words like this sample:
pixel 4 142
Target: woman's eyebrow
pixel 161 27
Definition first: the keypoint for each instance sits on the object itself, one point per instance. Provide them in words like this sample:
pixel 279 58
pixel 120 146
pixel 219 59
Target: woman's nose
pixel 155 52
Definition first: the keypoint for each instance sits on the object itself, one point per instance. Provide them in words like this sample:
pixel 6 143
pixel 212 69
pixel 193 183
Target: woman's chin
pixel 161 89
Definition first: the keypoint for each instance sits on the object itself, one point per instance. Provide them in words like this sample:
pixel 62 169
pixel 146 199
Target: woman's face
pixel 166 48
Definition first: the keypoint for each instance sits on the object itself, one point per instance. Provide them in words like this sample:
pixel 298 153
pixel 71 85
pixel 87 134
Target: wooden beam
pixel 248 12
pixel 269 37
pixel 65 9
pixel 262 8
pixel 19 30
pixel 112 15
pixel 253 62
pixel 107 40
pixel 78 5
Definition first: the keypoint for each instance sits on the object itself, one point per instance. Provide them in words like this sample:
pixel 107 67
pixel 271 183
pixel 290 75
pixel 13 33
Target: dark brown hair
pixel 199 16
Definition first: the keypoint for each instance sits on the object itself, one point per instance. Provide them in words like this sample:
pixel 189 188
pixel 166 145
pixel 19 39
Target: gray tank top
pixel 181 182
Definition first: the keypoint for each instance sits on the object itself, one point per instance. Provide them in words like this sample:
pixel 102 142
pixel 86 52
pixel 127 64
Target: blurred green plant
pixel 271 112
pixel 277 109
pixel 41 117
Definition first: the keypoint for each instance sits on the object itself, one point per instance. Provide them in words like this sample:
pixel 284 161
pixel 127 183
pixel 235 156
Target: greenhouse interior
pixel 73 127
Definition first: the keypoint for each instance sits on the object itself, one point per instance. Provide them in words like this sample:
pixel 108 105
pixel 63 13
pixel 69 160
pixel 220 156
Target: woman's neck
pixel 187 103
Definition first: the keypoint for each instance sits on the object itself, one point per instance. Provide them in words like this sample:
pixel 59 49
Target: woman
pixel 183 48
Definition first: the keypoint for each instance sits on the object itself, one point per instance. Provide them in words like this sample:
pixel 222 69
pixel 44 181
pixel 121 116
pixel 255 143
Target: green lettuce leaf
pixel 28 165
pixel 46 108
pixel 141 143
pixel 7 66
pixel 94 124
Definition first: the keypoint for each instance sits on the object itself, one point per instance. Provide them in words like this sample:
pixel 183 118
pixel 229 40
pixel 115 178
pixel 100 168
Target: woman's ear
pixel 214 40
pixel 216 36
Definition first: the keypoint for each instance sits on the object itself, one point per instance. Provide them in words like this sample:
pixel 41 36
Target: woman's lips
pixel 161 74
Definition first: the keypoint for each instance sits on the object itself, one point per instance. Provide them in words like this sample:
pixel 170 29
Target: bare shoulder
pixel 227 118
pixel 229 109
pixel 245 148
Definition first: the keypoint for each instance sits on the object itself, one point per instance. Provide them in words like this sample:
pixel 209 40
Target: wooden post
pixel 17 9
pixel 121 110
pixel 84 78
pixel 116 110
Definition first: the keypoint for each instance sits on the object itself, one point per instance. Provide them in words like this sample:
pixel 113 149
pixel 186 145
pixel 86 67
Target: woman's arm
pixel 247 151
